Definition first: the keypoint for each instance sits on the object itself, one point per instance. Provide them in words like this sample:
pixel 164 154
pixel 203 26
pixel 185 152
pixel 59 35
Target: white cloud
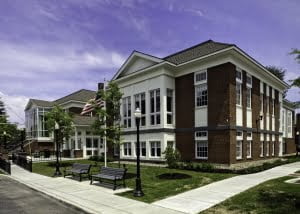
pixel 15 106
pixel 18 59
pixel 195 12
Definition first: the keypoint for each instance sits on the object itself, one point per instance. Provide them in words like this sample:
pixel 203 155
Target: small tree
pixel 63 119
pixel 296 81
pixel 109 119
pixel 172 156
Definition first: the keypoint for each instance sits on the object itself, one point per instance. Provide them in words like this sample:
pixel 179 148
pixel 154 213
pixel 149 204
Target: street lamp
pixel 298 143
pixel 5 139
pixel 56 132
pixel 138 192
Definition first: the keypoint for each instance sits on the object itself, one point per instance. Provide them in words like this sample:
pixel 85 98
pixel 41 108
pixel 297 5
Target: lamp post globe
pixel 56 132
pixel 138 192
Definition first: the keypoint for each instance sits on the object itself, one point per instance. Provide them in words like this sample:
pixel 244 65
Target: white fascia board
pixel 70 101
pixel 158 67
pixel 131 57
pixel 268 73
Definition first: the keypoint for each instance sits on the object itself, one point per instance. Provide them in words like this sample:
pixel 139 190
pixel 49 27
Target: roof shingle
pixel 196 51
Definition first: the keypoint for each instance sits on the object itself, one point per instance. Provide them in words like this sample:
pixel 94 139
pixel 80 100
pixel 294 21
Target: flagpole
pixel 105 144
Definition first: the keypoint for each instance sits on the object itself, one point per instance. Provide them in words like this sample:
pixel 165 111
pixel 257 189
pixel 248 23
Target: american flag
pixel 91 104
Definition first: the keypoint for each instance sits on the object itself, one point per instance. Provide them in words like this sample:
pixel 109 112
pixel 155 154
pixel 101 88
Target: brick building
pixel 83 143
pixel 212 101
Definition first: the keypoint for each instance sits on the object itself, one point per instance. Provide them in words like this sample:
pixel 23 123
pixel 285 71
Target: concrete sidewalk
pixel 202 198
pixel 90 198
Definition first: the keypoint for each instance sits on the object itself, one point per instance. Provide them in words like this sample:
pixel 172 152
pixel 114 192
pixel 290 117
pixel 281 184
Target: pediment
pixel 135 62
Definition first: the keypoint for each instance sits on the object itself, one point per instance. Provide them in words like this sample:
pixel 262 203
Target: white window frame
pixel 289 123
pixel 126 103
pixel 261 149
pixel 238 70
pixel 201 138
pixel 138 99
pixel 142 145
pixel 155 112
pixel 238 91
pixel 273 106
pixel 249 149
pixel 249 97
pixel 261 103
pixel 155 143
pixel 203 99
pixel 127 148
pixel 247 83
pixel 198 74
pixel 267 148
pixel 239 149
pixel 202 145
pixel 170 113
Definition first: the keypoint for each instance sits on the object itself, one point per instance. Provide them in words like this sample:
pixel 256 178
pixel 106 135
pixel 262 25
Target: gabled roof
pixel 41 103
pixel 196 51
pixel 133 56
pixel 82 95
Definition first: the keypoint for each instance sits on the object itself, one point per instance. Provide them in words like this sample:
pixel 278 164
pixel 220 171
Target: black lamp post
pixel 56 132
pixel 138 192
pixel 23 133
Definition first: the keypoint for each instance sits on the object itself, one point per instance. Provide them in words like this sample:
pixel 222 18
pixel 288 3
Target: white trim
pixel 202 81
pixel 196 145
pixel 131 57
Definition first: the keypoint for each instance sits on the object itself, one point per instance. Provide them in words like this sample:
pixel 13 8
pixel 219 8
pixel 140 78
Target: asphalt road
pixel 17 198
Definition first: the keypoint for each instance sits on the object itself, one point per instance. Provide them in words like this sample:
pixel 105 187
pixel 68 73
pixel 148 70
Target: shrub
pixel 172 157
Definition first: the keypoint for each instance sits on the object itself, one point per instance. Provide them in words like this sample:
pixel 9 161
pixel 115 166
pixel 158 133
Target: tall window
pixel 201 143
pixel 238 90
pixel 140 103
pixel 169 106
pixel 249 80
pixel 267 148
pixel 261 103
pixel 261 148
pixel 238 75
pixel 155 107
pixel 283 121
pixel 273 107
pixel 248 96
pixel 127 149
pixel 268 105
pixel 142 149
pixel 127 112
pixel 201 95
pixel 289 122
pixel 239 149
pixel 273 148
pixel 155 149
pixel 249 149
pixel 88 142
pixel 95 142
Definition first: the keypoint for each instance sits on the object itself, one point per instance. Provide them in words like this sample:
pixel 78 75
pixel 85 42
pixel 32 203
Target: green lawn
pixel 154 187
pixel 274 197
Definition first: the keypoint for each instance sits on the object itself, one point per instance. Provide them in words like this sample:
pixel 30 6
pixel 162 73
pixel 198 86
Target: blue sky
pixel 51 48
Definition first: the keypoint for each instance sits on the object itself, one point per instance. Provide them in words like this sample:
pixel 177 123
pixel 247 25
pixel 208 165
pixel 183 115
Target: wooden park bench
pixel 78 169
pixel 112 174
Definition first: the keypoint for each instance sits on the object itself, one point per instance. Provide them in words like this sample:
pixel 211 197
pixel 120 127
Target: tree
pixel 172 156
pixel 277 71
pixel 296 82
pixel 8 132
pixel 63 119
pixel 109 119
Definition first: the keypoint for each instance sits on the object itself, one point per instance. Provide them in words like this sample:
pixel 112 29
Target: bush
pixel 172 157
pixel 99 158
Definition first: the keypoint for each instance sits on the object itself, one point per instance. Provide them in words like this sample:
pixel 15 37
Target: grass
pixel 156 185
pixel 274 196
